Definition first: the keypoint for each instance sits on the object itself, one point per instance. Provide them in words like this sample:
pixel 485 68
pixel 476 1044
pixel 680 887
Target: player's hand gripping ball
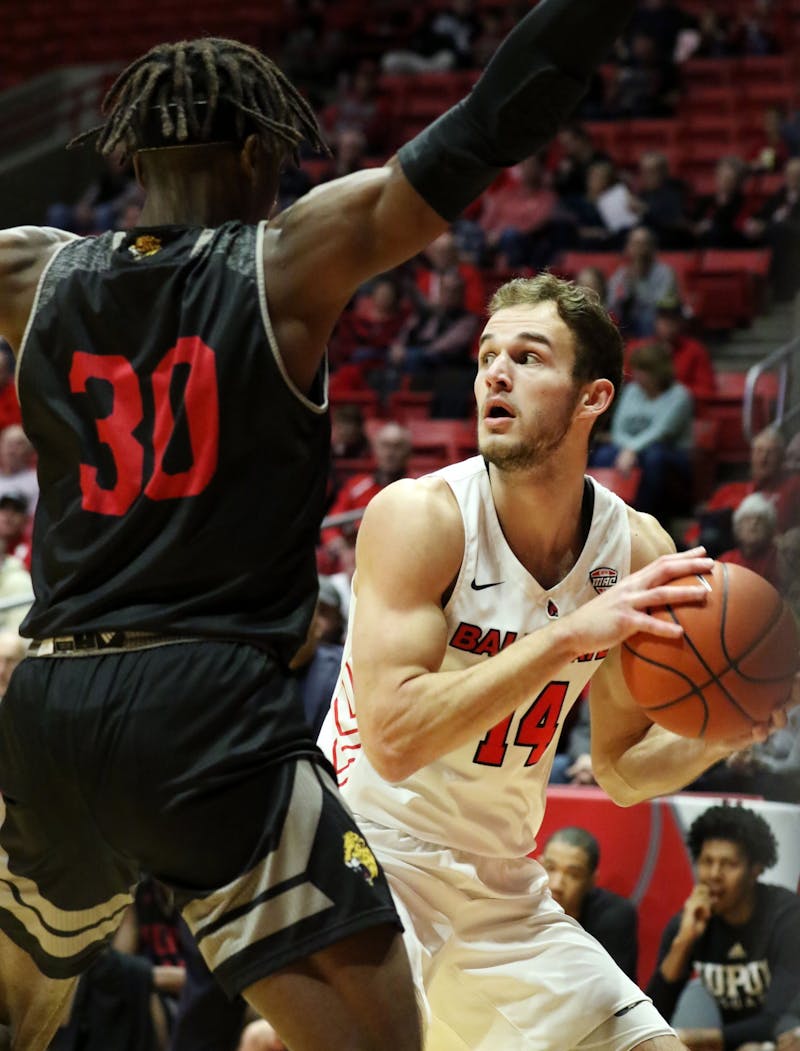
pixel 733 665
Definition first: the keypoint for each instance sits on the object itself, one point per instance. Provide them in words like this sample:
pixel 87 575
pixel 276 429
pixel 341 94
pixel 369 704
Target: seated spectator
pixel 570 858
pixel 721 219
pixel 594 278
pixel 367 330
pixel 518 219
pixel 767 476
pixel 442 255
pixel 149 930
pixel 777 224
pixel 317 663
pixel 755 522
pixel 127 999
pixel 443 41
pixel 690 358
pixel 573 766
pixel 359 106
pixel 771 152
pixel 770 769
pixel 645 82
pixel 391 449
pixel 639 284
pixel 576 152
pixel 738 934
pixel 442 332
pixel 652 429
pixel 663 21
pixel 349 155
pixel 752 33
pixel 115 1008
pixel 206 1020
pixel 101 204
pixel 713 39
pixel 348 438
pixel 9 405
pixel 17 471
pixel 15 525
pixel 603 214
pixel 660 202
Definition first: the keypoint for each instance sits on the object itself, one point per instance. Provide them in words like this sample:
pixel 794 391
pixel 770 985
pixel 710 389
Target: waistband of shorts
pixel 90 643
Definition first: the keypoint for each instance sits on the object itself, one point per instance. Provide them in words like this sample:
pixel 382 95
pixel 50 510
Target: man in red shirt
pixel 690 358
pixel 391 448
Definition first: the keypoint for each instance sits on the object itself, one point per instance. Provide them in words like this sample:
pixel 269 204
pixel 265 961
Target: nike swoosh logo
pixel 480 587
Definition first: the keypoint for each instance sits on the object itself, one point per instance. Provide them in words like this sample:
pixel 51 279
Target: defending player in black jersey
pixel 173 381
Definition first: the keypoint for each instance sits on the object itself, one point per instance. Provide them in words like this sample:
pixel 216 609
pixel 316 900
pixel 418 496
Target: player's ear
pixel 596 397
pixel 249 157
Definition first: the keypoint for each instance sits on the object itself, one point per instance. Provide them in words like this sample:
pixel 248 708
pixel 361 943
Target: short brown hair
pixel 655 359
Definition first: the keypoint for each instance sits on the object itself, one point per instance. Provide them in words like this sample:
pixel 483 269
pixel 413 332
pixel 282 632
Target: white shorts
pixel 497 964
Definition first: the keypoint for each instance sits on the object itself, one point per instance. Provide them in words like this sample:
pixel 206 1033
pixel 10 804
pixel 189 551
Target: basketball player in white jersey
pixel 487 595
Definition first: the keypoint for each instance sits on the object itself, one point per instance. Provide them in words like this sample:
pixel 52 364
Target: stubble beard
pixel 528 452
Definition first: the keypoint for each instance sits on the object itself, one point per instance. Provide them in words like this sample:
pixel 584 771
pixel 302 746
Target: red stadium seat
pixel 624 485
pixel 404 405
pixel 751 268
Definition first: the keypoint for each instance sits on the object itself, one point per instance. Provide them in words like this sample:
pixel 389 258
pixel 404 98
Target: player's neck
pixel 196 207
pixel 541 520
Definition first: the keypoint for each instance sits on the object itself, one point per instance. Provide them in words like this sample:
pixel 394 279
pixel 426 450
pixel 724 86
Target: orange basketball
pixel 731 667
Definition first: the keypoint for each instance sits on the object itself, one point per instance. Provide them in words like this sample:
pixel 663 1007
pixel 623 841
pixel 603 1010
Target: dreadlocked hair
pixel 205 90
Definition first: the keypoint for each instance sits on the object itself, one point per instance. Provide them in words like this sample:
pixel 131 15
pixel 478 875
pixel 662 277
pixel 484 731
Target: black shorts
pixel 190 762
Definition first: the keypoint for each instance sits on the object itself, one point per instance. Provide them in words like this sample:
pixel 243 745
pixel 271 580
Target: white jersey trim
pixel 320 408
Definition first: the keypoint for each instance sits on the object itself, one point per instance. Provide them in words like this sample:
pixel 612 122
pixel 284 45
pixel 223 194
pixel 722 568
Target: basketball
pixel 731 667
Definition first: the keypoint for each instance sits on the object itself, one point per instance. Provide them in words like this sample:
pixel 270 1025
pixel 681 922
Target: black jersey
pixel 182 474
pixel 751 970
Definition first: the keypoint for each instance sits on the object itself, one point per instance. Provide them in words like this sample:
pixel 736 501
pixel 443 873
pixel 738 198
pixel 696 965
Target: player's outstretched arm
pixel 632 758
pixel 24 251
pixel 322 248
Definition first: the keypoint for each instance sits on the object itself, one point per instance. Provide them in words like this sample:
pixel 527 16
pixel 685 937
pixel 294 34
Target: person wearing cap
pixel 15 525
pixel 690 358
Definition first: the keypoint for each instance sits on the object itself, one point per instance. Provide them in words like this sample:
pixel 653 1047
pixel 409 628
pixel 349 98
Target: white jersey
pixel 487 797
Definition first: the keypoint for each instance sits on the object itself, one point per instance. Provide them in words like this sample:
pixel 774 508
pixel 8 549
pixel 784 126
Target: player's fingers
pixel 670 567
pixel 778 719
pixel 664 629
pixel 674 594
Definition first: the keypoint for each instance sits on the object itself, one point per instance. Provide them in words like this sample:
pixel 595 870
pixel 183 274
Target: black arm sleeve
pixel 530 86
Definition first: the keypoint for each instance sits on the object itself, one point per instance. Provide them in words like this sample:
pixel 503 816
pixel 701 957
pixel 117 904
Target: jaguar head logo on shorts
pixel 359 858
pixel 145 245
